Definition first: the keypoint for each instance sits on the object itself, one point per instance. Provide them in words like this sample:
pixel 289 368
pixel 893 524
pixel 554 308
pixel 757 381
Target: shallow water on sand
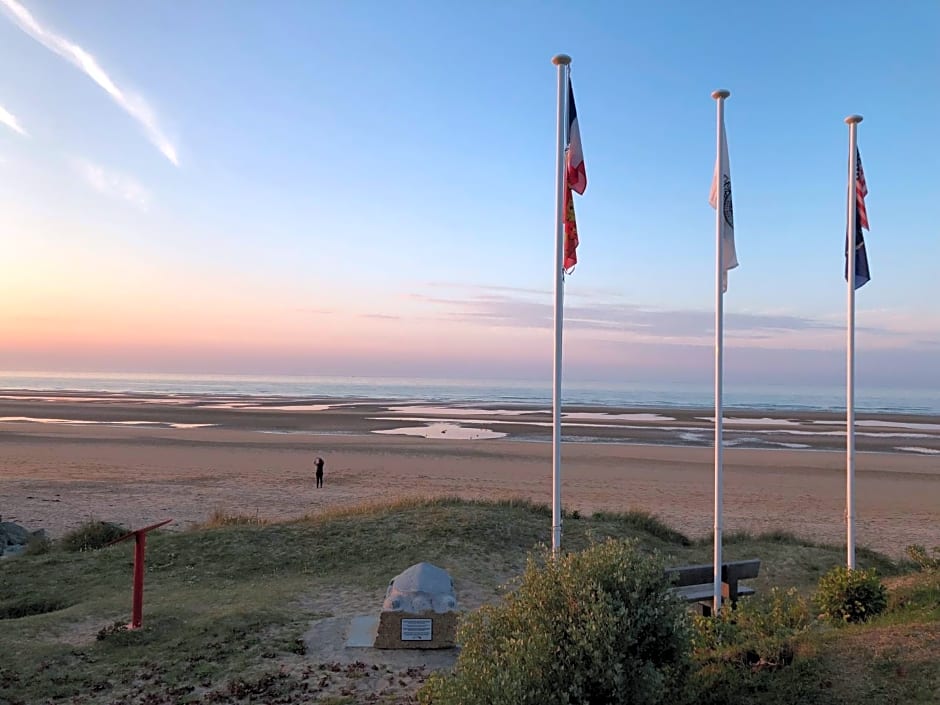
pixel 612 394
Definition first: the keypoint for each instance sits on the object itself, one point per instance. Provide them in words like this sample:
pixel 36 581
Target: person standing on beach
pixel 318 463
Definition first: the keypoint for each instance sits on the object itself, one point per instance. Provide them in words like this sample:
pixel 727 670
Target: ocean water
pixel 453 391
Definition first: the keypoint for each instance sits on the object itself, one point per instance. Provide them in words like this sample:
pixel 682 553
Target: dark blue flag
pixel 862 275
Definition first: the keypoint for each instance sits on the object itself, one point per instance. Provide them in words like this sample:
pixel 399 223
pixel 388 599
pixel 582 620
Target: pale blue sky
pixel 366 188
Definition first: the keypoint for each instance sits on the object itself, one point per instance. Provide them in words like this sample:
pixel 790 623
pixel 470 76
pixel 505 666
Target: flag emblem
pixel 575 181
pixel 571 232
pixel 727 209
pixel 862 274
pixel 861 190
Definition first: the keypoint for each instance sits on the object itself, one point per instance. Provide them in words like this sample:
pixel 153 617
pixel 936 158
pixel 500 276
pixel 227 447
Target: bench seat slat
pixel 694 593
pixel 691 593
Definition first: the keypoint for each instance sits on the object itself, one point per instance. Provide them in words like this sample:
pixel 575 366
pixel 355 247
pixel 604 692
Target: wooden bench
pixel 695 583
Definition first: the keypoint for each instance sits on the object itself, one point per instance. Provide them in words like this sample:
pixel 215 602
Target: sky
pixel 367 188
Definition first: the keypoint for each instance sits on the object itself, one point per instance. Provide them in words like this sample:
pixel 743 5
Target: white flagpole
pixel 561 61
pixel 719 97
pixel 852 121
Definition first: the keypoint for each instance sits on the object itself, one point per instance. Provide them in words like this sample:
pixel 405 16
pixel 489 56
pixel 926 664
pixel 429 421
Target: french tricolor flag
pixel 577 177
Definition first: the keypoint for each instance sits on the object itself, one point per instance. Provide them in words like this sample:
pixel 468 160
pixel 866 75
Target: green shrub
pixel 735 652
pixel 92 535
pixel 779 613
pixel 27 607
pixel 597 626
pixel 922 557
pixel 845 595
pixel 38 544
pixel 758 632
pixel 917 597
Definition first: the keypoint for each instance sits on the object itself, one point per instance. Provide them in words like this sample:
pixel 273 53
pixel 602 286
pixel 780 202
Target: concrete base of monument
pixel 419 630
pixel 327 640
pixel 361 632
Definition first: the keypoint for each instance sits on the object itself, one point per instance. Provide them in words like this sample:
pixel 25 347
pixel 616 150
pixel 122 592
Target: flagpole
pixel 719 97
pixel 850 246
pixel 562 61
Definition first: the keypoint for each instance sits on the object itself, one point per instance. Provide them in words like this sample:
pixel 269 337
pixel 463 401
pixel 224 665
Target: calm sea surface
pixel 493 392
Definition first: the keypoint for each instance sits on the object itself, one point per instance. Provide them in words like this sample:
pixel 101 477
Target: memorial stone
pixel 419 611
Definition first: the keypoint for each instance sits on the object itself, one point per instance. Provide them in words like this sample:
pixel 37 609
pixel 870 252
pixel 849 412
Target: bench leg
pixel 729 592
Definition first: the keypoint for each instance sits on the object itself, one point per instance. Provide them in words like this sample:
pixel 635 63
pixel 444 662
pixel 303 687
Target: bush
pixel 779 613
pixel 735 652
pixel 38 544
pixel 597 626
pixel 757 634
pixel 917 596
pixel 922 557
pixel 26 607
pixel 92 535
pixel 845 595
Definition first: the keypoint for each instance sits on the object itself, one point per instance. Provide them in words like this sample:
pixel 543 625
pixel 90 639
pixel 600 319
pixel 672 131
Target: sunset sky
pixel 366 188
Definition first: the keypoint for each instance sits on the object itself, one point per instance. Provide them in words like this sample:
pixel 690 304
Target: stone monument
pixel 420 610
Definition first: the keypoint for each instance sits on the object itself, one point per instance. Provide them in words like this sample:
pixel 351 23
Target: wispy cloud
pixel 133 104
pixel 603 318
pixel 9 119
pixel 492 288
pixel 113 183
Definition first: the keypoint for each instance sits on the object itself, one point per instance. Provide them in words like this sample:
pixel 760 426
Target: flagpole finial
pixel 853 119
pixel 561 59
pixel 721 93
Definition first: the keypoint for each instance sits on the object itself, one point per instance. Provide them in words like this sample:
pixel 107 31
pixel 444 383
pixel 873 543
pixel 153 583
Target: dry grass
pixel 882 664
pixel 221 518
pixel 419 502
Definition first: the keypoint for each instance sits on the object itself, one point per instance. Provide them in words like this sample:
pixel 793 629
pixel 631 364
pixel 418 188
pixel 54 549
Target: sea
pixel 495 392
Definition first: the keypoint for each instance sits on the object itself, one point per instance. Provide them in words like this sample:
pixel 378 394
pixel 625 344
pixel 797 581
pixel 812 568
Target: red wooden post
pixel 140 549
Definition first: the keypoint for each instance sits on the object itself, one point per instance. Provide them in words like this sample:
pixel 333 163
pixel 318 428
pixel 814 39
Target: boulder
pixel 13 537
pixel 421 588
pixel 12 534
pixel 419 611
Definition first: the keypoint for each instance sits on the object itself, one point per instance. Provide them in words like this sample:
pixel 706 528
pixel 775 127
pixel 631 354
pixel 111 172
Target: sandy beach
pixel 64 459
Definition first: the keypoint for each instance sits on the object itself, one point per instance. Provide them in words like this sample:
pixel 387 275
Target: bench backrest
pixel 731 572
pixel 740 570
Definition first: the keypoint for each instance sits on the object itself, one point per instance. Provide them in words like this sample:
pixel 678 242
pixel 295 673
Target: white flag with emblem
pixel 720 197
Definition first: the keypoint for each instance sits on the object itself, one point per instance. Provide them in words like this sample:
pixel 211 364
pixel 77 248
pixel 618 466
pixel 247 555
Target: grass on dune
pixel 230 599
pixel 221 517
pixel 877 664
